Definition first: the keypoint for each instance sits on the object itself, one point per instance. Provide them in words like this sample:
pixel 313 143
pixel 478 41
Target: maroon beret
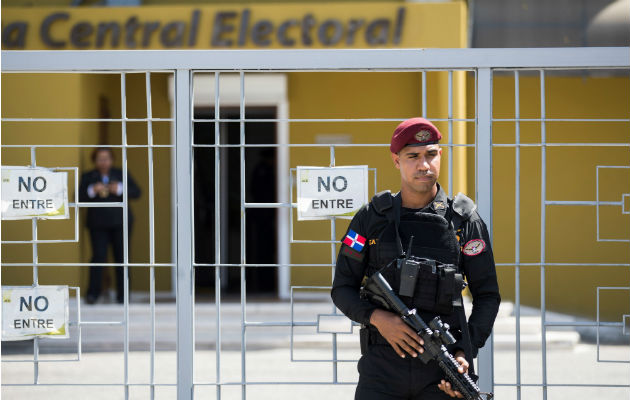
pixel 414 132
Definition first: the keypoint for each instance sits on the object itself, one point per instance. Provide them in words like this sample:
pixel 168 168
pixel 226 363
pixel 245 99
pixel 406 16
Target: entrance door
pixel 260 186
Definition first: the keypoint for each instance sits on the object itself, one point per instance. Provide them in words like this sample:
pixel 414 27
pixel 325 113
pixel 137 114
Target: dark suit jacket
pixel 106 217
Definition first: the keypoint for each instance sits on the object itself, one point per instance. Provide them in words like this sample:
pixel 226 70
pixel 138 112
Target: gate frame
pixel 184 62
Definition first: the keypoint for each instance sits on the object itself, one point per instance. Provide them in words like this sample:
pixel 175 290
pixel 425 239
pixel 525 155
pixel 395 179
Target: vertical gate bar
pixel 123 115
pixel 424 94
pixel 217 229
pixel 483 147
pixel 333 238
pixel 517 233
pixel 243 296
pixel 35 279
pixel 543 210
pixel 451 149
pixel 151 231
pixel 184 299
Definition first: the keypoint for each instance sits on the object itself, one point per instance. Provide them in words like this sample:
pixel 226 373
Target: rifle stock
pixel 435 336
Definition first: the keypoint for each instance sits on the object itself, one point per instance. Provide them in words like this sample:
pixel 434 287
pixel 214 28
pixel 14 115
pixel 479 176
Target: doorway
pixel 260 186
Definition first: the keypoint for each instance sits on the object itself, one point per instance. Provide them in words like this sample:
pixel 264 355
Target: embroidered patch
pixel 355 255
pixel 423 135
pixel 474 247
pixel 354 241
pixel 438 205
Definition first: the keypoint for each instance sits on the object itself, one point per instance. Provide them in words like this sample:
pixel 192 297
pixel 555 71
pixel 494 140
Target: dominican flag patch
pixel 354 240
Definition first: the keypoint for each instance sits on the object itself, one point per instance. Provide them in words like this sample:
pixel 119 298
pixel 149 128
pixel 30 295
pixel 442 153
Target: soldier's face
pixel 419 166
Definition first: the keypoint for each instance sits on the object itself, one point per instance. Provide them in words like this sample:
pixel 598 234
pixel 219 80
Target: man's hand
pixel 98 187
pixel 463 368
pixel 398 334
pixel 113 187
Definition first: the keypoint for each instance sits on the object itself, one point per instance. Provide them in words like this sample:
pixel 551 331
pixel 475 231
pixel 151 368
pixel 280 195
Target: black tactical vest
pixel 436 288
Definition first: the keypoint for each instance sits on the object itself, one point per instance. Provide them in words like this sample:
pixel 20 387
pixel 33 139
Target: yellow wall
pixel 80 99
pixel 423 25
pixel 363 95
pixel 570 230
pixel 332 95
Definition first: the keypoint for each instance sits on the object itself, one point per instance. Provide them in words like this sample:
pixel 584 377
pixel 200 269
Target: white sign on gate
pixel 29 192
pixel 34 311
pixel 331 191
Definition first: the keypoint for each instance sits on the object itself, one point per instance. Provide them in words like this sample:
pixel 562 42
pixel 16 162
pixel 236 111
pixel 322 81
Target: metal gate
pixel 483 66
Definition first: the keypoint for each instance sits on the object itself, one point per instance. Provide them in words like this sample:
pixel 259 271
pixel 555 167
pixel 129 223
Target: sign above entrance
pixel 29 192
pixel 233 26
pixel 331 191
pixel 34 311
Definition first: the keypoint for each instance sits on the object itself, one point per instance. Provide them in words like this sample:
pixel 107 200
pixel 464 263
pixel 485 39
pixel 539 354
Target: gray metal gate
pixel 483 64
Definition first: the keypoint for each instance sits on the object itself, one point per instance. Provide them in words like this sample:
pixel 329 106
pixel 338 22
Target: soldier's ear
pixel 396 159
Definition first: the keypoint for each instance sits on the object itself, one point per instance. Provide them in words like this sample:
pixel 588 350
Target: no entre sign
pixel 34 311
pixel 29 192
pixel 325 192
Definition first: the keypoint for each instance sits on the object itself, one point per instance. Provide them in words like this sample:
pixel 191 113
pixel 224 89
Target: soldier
pixel 446 230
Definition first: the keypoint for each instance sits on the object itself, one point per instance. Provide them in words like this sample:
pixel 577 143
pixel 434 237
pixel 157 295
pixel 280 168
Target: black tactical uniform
pixel 446 230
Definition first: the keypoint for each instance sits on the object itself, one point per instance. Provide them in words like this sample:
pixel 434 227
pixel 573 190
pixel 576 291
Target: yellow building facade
pixel 315 95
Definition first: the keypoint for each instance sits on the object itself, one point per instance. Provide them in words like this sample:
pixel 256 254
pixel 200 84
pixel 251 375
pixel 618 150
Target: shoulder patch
pixel 349 252
pixel 474 247
pixel 464 206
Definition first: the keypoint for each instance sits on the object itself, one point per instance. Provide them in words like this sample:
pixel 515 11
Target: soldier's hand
pixel 398 334
pixel 463 368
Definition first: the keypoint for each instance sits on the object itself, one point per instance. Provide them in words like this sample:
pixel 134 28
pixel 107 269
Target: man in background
pixel 105 184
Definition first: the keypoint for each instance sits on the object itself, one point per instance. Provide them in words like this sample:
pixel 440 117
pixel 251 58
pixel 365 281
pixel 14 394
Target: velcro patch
pixel 474 247
pixel 349 252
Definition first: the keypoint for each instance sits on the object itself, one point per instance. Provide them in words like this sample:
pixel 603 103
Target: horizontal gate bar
pixel 351 59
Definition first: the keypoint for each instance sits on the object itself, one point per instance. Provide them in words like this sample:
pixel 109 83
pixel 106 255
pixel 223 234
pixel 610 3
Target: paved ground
pixel 268 359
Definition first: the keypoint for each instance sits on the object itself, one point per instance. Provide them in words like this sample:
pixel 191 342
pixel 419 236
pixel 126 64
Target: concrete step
pixel 104 336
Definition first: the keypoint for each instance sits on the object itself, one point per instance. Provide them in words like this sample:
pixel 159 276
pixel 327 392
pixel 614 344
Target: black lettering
pixel 40 323
pixel 243 28
pixel 307 23
pixel 23 203
pixel 345 183
pixel 400 20
pixel 27 184
pixel 16 203
pixel 377 31
pixel 50 323
pixel 349 203
pixel 315 204
pixel 131 26
pixel 40 203
pixel 40 179
pixel 16 324
pixel 194 28
pixel 168 39
pixel 320 183
pixel 261 31
pixel 148 30
pixel 14 35
pixel 49 203
pixel 353 27
pixel 44 30
pixel 221 26
pixel 29 305
pixel 282 32
pixel 323 32
pixel 323 204
pixel 45 307
pixel 102 30
pixel 80 33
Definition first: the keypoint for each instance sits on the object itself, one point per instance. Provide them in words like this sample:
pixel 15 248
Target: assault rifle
pixel 435 335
